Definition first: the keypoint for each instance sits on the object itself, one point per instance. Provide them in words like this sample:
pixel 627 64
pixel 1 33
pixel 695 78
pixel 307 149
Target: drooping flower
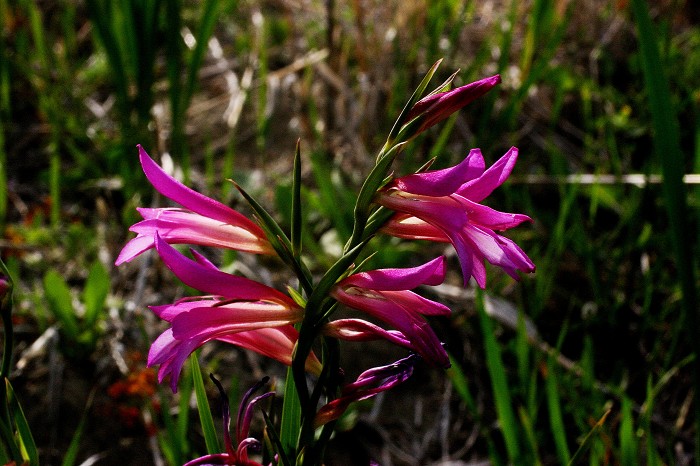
pixel 238 310
pixel 437 106
pixel 368 384
pixel 236 456
pixel 202 221
pixel 385 295
pixel 443 205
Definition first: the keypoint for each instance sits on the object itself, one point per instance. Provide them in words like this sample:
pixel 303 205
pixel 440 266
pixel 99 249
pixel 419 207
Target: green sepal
pixel 278 239
pixel 415 97
pixel 296 296
pixel 375 181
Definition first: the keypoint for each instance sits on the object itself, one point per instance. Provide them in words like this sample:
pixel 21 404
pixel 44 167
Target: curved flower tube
pixel 239 311
pixel 443 205
pixel 203 221
pixel 236 456
pixel 368 384
pixel 385 294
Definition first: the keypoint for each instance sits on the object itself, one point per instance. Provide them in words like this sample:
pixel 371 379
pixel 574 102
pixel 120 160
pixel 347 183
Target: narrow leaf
pixel 499 383
pixel 291 417
pixel 296 205
pixel 205 416
pixel 59 298
pixel 95 292
pixel 24 433
pixel 587 440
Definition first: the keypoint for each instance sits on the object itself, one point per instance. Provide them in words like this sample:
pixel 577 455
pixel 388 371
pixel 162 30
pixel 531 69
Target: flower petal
pixel 430 273
pixel 407 321
pixel 213 322
pixel 487 217
pixel 191 199
pixel 214 281
pixel 446 181
pixel 480 188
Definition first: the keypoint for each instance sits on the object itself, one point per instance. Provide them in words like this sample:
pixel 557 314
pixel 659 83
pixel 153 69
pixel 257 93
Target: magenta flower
pixel 385 294
pixel 368 384
pixel 438 106
pixel 443 205
pixel 238 311
pixel 203 220
pixel 236 456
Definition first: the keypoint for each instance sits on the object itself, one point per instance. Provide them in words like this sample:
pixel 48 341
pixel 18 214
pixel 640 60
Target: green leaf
pixel 556 420
pixel 58 295
pixel 628 438
pixel 499 383
pixel 205 417
pixel 24 433
pixel 461 384
pixel 95 293
pixel 296 222
pixel 587 440
pixel 291 417
pixel 275 439
pixel 71 455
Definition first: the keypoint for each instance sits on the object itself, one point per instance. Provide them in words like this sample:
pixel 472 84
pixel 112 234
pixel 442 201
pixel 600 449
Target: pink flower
pixel 443 205
pixel 236 456
pixel 438 106
pixel 385 294
pixel 368 384
pixel 203 221
pixel 238 311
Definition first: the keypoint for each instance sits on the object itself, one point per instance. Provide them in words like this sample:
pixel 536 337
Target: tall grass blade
pixel 668 149
pixel 578 456
pixel 71 456
pixel 205 417
pixel 30 453
pixel 556 420
pixel 499 383
pixel 628 438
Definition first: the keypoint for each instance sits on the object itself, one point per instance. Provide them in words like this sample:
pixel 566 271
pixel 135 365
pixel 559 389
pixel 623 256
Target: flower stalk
pixel 434 205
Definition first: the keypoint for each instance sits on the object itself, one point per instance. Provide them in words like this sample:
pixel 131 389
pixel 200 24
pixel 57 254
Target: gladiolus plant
pixel 298 327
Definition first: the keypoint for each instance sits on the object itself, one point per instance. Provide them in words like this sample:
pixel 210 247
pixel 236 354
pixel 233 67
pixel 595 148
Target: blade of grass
pixel 205 417
pixel 461 385
pixel 24 433
pixel 668 149
pixel 628 438
pixel 499 383
pixel 576 459
pixel 71 455
pixel 556 420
